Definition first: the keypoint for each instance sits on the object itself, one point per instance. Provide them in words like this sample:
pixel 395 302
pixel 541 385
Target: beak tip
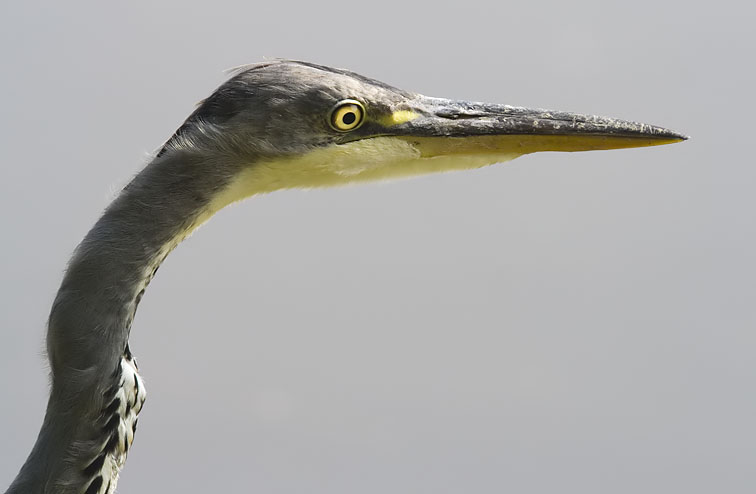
pixel 673 136
pixel 680 135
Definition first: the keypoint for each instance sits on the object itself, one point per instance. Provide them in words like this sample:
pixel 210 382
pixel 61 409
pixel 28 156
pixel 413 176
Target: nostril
pixel 456 113
pixel 450 114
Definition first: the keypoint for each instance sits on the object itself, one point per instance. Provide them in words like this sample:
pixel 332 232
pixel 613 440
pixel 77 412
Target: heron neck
pixel 92 313
pixel 116 260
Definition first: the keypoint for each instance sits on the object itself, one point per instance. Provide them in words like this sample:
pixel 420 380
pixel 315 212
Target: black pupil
pixel 349 118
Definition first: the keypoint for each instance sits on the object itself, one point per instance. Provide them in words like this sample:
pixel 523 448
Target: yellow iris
pixel 348 115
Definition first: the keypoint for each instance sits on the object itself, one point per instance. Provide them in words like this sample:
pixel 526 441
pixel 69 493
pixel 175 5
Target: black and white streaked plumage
pixel 272 126
pixel 119 422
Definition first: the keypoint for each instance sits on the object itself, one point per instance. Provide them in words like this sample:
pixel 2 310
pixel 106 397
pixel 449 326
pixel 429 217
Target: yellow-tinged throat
pixel 386 158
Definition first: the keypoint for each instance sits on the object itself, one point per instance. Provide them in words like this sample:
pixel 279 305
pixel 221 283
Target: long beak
pixel 442 127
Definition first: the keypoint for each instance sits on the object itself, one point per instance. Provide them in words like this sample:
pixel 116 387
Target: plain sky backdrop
pixel 563 323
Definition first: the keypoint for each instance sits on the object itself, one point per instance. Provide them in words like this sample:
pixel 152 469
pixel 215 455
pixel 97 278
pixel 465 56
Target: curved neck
pixel 91 316
pixel 116 260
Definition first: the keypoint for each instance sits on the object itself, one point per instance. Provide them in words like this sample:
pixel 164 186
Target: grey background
pixel 563 323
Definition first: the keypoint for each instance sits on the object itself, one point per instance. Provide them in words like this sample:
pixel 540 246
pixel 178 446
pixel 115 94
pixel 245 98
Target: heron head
pixel 295 124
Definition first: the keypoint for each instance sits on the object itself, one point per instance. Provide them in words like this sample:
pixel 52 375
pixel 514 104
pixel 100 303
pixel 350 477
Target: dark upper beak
pixel 492 127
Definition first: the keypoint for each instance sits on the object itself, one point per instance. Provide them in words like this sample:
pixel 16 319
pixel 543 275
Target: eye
pixel 347 115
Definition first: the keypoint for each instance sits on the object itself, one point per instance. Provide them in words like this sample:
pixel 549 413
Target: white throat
pixel 375 159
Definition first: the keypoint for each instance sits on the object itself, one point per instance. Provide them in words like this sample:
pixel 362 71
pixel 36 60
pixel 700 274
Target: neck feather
pixel 92 313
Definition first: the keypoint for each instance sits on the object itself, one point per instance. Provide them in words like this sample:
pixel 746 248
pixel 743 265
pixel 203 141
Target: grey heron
pixel 271 126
